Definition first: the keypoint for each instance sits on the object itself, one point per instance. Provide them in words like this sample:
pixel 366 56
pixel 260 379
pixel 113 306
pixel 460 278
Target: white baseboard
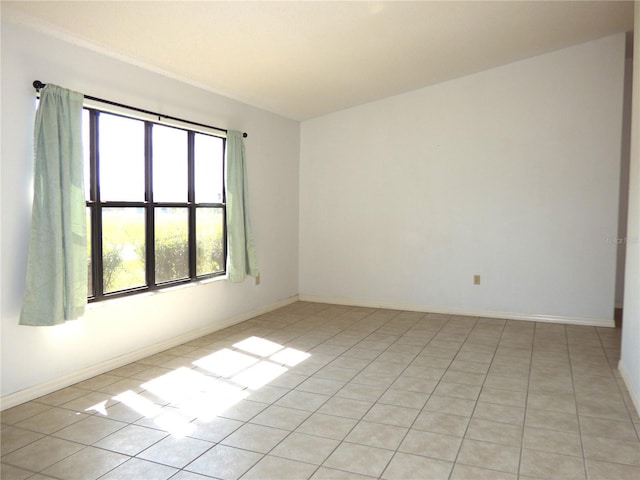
pixel 633 393
pixel 72 378
pixel 594 322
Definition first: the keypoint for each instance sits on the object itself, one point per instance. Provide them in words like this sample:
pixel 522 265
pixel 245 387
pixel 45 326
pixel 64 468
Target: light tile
pixel 441 423
pixel 358 391
pixel 13 438
pixel 360 459
pixel 10 472
pixel 95 383
pixel 136 468
pixel 489 455
pixel 458 390
pixel 51 421
pixel 602 427
pixel 392 415
pixel 336 373
pixel 303 400
pixel 175 452
pixel 404 466
pixel 553 441
pixel 91 403
pixel 280 417
pixel 375 379
pixel 432 445
pixel 131 440
pixel 417 370
pixel 554 403
pixel 305 448
pixel 256 438
pixel 453 406
pixel 608 450
pixel 377 435
pixel 550 465
pixel 129 369
pixel 243 410
pixel 499 413
pixel 224 462
pixel 41 454
pixel 465 378
pixel 267 394
pixel 385 394
pixel 124 385
pixel 503 397
pixel 563 422
pixel 324 473
pixel 320 385
pixel 280 468
pixel 345 407
pixel 122 413
pixel 16 414
pixel 64 395
pixel 88 463
pixel 415 384
pixel 610 407
pixel 214 430
pixel 494 432
pixel 90 430
pixel 518 384
pixel 599 470
pixel 466 472
pixel 327 426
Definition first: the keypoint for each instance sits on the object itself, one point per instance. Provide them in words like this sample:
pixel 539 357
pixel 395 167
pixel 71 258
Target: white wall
pixel 512 173
pixel 623 194
pixel 630 354
pixel 33 356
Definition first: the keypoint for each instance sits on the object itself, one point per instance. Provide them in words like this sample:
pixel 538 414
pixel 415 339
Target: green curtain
pixel 56 283
pixel 242 259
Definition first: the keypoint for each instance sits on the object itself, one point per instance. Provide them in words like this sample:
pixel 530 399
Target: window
pixel 155 204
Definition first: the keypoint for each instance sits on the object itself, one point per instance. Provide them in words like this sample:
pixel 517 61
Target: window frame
pixel 96 205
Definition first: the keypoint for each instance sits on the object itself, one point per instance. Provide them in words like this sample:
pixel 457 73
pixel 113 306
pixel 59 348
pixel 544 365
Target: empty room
pixel 320 240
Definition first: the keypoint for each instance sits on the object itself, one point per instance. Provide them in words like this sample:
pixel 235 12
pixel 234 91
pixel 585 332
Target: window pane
pixel 208 168
pixel 121 158
pixel 123 248
pixel 172 247
pixel 85 153
pixel 89 259
pixel 169 164
pixel 210 241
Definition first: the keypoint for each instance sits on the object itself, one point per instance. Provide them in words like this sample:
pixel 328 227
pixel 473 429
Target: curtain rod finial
pixel 245 134
pixel 37 84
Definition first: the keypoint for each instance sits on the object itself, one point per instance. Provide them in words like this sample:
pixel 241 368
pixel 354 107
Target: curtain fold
pixel 56 281
pixel 241 256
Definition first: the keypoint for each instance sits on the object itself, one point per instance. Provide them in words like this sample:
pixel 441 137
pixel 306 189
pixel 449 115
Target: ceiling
pixel 304 59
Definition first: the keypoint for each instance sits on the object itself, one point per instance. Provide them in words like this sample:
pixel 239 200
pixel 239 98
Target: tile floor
pixel 332 392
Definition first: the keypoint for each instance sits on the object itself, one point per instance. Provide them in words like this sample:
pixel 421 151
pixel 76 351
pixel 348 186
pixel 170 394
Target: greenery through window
pixel 155 204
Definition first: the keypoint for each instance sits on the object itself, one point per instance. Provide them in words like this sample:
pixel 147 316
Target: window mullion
pixel 191 199
pixel 224 203
pixel 96 211
pixel 150 262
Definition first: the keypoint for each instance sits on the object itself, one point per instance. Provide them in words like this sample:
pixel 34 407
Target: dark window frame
pixel 96 206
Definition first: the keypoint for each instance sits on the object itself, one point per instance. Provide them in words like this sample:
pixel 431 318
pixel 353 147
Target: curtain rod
pixel 38 85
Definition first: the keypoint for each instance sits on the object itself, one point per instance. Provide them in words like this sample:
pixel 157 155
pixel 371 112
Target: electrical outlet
pixel 257 279
pixel 476 279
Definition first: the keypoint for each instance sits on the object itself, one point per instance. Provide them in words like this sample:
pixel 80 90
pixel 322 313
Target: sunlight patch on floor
pixel 225 362
pixel 290 357
pixel 259 375
pixel 190 394
pixel 258 346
